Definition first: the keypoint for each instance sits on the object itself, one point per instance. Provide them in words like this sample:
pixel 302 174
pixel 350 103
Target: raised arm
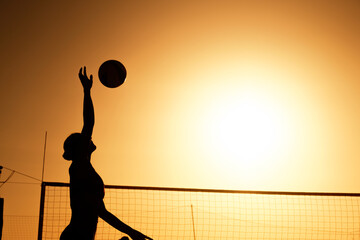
pixel 88 108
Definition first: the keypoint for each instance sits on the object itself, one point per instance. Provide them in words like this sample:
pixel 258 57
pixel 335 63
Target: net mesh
pixel 214 214
pixel 19 227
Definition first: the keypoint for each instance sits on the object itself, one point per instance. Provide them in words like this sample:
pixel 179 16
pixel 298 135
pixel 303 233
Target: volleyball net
pixel 202 214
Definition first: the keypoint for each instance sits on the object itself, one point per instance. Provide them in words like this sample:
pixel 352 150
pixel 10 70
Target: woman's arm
pixel 119 225
pixel 88 107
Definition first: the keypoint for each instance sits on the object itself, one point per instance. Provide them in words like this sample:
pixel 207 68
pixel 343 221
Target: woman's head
pixel 77 146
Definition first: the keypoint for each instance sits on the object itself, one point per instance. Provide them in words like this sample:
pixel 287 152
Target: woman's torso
pixel 86 194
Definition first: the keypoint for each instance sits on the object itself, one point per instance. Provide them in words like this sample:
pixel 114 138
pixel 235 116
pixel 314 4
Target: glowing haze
pixel 220 94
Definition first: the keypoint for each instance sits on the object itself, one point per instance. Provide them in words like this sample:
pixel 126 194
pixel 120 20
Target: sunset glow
pixel 259 95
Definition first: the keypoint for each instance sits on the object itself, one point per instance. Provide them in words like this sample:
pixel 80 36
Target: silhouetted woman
pixel 86 186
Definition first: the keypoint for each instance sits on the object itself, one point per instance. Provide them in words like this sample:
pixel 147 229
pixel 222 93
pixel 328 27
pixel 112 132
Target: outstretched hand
pixel 85 81
pixel 136 235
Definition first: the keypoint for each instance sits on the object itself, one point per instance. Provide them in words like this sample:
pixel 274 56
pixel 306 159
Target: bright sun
pixel 245 131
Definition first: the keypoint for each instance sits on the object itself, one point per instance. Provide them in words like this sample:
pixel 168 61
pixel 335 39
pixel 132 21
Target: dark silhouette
pixel 86 186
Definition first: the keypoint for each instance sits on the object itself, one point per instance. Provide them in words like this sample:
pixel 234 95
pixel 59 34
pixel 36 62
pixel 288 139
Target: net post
pixel 193 223
pixel 1 216
pixel 41 213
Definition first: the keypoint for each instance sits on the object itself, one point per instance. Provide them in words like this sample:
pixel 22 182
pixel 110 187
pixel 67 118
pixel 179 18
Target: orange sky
pixel 260 95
